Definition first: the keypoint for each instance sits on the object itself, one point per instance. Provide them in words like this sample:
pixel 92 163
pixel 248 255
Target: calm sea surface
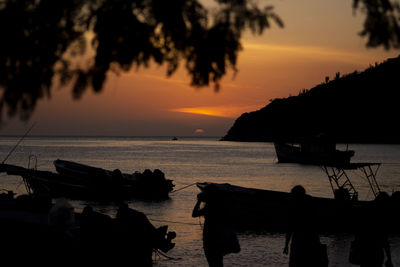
pixel 191 160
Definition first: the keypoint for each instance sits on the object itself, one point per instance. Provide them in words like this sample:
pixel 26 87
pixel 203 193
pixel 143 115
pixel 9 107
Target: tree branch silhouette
pixel 46 42
pixel 381 25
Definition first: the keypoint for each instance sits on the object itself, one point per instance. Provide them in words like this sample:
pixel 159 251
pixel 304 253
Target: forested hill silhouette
pixel 356 108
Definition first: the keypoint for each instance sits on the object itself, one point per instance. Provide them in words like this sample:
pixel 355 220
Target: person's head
pixel 117 172
pixel 62 214
pixel 298 192
pixel 382 199
pixel 396 198
pixel 87 210
pixel 297 197
pixel 122 208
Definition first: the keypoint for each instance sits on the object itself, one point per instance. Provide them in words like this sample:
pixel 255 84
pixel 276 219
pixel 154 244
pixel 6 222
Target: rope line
pixel 159 253
pixel 183 188
pixel 166 221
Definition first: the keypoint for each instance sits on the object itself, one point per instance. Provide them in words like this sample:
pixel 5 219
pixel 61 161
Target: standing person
pixel 219 238
pixel 371 241
pixel 305 248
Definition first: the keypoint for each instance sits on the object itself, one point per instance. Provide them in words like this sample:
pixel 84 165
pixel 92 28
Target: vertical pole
pixel 19 141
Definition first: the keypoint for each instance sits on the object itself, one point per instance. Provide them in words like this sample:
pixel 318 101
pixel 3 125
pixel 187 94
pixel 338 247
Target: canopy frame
pixel 340 181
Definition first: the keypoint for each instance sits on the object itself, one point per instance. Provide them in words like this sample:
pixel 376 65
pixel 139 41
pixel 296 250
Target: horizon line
pixel 125 136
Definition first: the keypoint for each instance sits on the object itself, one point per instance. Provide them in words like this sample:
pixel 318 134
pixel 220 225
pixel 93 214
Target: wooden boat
pixel 315 153
pixel 79 181
pixel 268 210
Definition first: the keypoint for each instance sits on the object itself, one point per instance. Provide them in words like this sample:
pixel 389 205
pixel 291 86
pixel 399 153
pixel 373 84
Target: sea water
pixel 191 160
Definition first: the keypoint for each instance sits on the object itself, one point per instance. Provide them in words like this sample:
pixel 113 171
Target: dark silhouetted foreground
pixel 35 231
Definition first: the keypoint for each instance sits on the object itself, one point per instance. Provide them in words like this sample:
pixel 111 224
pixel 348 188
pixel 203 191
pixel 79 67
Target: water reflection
pixel 205 161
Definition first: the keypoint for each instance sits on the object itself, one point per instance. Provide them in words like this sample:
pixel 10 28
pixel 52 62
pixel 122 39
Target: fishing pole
pixel 20 140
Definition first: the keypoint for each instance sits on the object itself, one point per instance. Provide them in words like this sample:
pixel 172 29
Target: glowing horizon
pixel 320 38
pixel 217 111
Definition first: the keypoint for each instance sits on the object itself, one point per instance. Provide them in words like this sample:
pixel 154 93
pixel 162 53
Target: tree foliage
pixel 44 39
pixel 381 25
pixel 79 41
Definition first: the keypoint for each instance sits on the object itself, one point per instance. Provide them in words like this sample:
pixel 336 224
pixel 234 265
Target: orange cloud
pixel 200 111
pixel 217 111
pixel 199 131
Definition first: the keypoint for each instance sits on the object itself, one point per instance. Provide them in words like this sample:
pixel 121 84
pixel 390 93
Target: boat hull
pixel 267 210
pixel 84 182
pixel 91 188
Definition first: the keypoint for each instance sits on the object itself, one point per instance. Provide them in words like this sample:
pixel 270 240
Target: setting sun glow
pixel 314 44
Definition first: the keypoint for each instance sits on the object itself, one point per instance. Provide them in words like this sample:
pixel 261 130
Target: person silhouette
pixel 305 247
pixel 219 238
pixel 371 239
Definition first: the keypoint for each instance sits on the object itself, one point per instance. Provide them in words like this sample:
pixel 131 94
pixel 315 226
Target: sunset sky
pixel 320 38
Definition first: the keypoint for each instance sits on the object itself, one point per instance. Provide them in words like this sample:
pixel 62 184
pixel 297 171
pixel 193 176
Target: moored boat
pixel 268 210
pixel 311 153
pixel 79 181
